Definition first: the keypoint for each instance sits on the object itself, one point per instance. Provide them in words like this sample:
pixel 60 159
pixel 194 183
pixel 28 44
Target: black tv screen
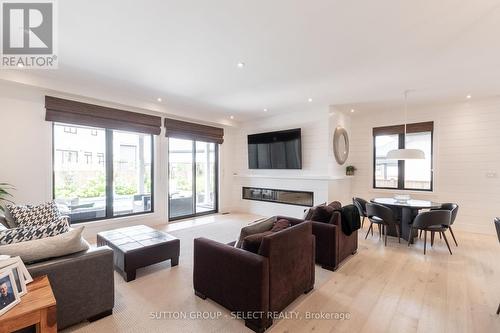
pixel 275 150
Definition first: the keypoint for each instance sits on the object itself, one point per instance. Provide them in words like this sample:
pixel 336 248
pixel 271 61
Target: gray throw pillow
pixel 46 248
pixel 256 227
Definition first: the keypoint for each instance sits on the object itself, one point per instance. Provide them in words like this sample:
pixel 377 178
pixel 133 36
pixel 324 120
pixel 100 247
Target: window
pixel 131 173
pixel 71 130
pixel 100 158
pixel 88 157
pixel 386 171
pixel 88 190
pixel 67 156
pixel 408 174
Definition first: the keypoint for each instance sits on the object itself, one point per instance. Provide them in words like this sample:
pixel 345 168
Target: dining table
pixel 405 211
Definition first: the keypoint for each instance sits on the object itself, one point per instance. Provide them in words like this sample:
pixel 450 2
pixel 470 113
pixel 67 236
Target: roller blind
pixel 400 129
pixel 185 130
pixel 72 112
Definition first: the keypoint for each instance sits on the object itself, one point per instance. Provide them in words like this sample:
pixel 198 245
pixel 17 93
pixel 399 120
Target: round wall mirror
pixel 340 145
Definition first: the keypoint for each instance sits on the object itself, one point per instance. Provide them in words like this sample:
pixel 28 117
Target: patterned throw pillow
pixel 23 234
pixel 26 216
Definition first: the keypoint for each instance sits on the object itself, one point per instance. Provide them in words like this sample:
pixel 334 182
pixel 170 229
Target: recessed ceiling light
pixel 309 99
pixel 352 110
pixel 469 96
pixel 240 64
pixel 232 117
pixel 159 99
pixel 265 110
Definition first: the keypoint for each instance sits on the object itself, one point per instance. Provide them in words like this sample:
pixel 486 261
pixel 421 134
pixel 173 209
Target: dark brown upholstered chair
pixel 453 208
pixel 383 217
pixel 261 283
pixel 361 206
pixel 497 226
pixel 333 246
pixel 433 221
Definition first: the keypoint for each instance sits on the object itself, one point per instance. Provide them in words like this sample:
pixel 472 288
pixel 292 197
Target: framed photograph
pixel 17 260
pixel 8 291
pixel 18 274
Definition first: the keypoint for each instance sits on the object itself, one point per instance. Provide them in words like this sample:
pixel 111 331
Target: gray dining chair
pixel 497 226
pixel 433 221
pixel 383 217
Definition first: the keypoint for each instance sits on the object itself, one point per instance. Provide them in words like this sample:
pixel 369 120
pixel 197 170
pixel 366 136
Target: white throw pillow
pixel 50 247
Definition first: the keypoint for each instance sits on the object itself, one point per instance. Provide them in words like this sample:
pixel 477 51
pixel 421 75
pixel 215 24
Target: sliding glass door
pixel 193 181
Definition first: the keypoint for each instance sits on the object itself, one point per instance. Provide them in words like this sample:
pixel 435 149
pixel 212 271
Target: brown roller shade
pixel 400 129
pixel 66 111
pixel 191 131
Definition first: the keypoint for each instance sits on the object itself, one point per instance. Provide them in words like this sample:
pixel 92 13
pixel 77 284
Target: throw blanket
pixel 350 219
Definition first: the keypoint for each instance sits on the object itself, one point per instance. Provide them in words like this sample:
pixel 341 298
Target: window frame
pixel 109 172
pixel 401 164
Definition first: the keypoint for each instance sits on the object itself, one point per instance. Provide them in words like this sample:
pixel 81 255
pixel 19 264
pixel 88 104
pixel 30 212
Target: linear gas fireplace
pixel 298 198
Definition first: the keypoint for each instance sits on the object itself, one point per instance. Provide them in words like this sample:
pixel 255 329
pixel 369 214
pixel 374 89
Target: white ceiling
pixel 337 52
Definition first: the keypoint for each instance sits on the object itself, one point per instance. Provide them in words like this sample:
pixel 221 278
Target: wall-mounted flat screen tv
pixel 275 150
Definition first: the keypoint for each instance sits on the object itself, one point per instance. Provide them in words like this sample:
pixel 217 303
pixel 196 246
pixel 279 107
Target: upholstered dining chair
pixel 361 206
pixel 497 226
pixel 453 208
pixel 433 221
pixel 382 216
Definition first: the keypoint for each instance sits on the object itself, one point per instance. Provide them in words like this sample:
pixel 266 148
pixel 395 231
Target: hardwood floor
pixel 398 289
pixel 384 289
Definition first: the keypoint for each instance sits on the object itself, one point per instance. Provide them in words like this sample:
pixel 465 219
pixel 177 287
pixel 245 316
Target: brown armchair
pixel 332 245
pixel 255 285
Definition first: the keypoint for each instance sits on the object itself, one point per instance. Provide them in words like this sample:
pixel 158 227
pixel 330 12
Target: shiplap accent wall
pixel 466 157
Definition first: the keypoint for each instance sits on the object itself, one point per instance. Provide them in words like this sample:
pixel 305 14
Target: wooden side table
pixel 37 307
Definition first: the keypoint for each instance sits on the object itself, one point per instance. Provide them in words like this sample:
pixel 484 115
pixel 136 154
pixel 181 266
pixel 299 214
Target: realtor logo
pixel 28 34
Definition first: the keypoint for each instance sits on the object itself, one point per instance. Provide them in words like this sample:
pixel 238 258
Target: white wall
pixel 466 150
pixel 26 155
pixel 320 172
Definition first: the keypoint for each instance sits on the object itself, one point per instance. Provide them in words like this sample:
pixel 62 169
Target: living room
pixel 338 161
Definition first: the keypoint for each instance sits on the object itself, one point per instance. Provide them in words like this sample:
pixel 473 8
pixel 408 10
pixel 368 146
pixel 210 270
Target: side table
pixel 37 307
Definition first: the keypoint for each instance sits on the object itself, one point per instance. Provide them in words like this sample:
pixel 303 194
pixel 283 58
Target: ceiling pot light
pixel 469 96
pixel 240 64
pixel 159 99
pixel 232 117
pixel 405 154
pixel 309 99
pixel 352 110
pixel 265 110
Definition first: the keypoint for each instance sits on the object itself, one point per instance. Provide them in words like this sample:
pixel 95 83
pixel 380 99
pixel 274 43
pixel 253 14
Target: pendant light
pixel 406 154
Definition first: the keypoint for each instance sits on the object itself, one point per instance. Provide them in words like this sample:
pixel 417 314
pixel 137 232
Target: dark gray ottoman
pixel 139 246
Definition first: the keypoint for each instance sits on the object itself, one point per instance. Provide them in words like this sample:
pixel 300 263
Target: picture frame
pixel 18 275
pixel 8 291
pixel 17 260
